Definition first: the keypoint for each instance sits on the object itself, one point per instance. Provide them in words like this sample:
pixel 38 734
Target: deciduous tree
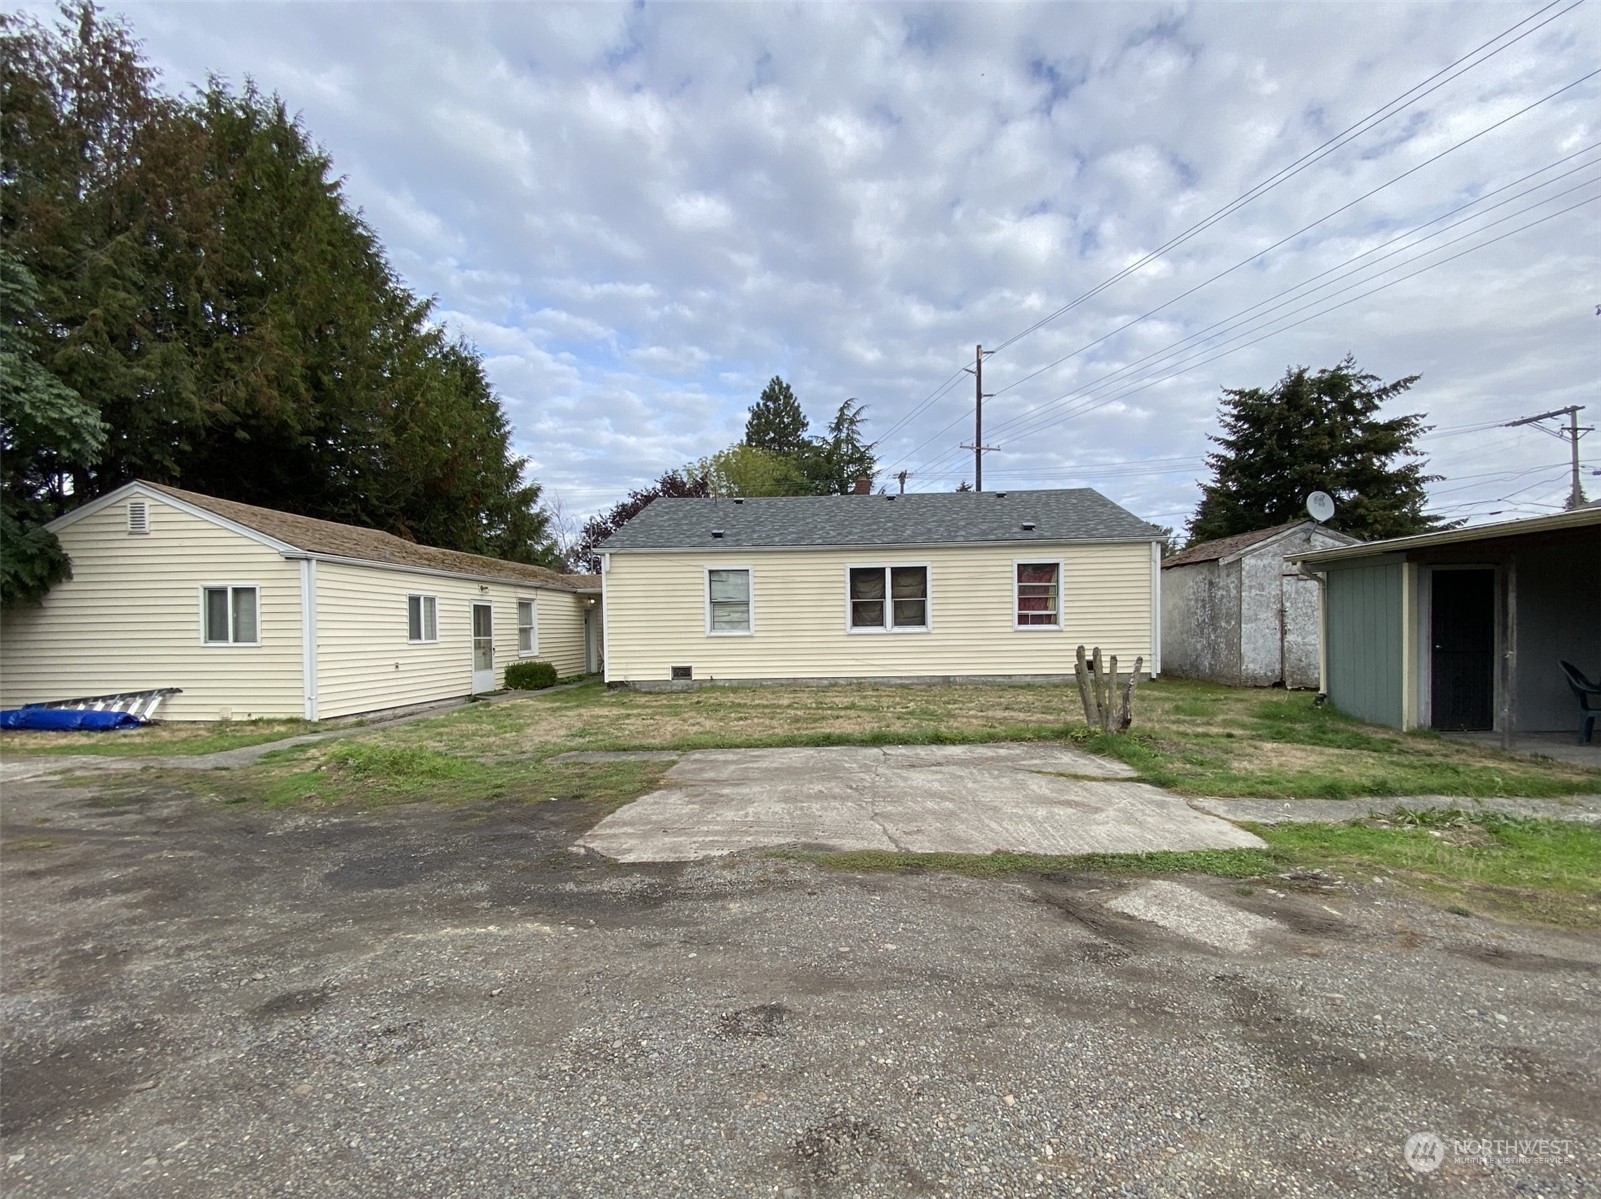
pixel 672 485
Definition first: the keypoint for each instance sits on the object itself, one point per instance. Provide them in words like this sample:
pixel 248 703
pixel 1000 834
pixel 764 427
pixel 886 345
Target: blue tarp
pixel 62 719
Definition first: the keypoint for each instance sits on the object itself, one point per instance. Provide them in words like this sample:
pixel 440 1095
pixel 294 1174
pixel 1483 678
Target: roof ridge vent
pixel 1000 495
pixel 1028 526
pixel 717 533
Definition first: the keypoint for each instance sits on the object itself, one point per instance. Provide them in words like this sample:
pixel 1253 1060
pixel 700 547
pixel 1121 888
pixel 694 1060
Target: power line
pixel 1474 203
pixel 1029 421
pixel 1377 117
pixel 1350 133
pixel 1188 363
pixel 1327 216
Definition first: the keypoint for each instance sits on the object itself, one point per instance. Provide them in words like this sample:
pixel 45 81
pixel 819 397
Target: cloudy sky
pixel 639 213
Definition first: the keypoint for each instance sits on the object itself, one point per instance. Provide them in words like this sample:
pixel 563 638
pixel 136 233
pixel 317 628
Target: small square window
pixel 422 618
pixel 229 616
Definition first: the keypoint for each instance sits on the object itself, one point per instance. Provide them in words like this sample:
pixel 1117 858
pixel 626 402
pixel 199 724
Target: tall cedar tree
pixel 45 427
pixel 672 485
pixel 776 423
pixel 205 284
pixel 1316 432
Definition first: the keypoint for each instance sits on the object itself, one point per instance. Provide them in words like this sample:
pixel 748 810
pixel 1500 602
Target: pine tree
pixel 1316 432
pixel 776 423
pixel 837 461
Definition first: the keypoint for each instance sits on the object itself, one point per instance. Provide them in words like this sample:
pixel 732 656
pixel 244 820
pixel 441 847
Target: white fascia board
pixel 161 497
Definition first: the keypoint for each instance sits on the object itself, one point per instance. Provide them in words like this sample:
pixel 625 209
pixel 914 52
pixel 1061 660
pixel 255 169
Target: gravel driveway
pixel 204 1001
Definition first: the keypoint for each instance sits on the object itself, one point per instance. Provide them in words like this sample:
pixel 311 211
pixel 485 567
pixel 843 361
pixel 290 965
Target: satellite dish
pixel 1320 505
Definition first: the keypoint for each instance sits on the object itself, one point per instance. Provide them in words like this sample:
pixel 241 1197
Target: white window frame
pixel 889 625
pixel 427 605
pixel 750 593
pixel 1061 594
pixel 532 626
pixel 230 588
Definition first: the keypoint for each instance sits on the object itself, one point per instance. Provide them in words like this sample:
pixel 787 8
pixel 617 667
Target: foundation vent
pixel 683 674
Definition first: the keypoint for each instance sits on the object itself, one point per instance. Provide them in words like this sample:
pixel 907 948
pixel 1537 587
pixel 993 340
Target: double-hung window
pixel 728 603
pixel 527 629
pixel 422 618
pixel 228 616
pixel 888 598
pixel 1039 595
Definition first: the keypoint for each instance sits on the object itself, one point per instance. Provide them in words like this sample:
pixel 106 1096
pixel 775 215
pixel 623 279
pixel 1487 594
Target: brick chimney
pixel 864 485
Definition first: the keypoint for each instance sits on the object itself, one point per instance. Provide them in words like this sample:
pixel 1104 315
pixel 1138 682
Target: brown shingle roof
pixel 368 545
pixel 1222 547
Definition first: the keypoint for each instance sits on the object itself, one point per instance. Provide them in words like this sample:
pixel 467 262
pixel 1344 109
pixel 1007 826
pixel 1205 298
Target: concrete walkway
pixel 974 799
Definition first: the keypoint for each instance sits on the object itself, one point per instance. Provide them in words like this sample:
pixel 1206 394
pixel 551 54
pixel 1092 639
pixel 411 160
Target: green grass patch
pixel 1543 869
pixel 28 843
pixel 187 739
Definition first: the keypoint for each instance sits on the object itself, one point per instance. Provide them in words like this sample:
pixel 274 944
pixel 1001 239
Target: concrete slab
pixel 1024 798
pixel 1190 914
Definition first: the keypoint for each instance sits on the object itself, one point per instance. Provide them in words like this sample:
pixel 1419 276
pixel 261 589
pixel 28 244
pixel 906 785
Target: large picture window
pixel 228 616
pixel 422 618
pixel 1039 595
pixel 888 598
pixel 728 606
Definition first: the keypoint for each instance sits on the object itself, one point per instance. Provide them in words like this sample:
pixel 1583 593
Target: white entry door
pixel 483 648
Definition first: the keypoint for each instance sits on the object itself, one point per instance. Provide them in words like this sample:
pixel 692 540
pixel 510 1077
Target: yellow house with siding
pixel 252 612
pixel 966 585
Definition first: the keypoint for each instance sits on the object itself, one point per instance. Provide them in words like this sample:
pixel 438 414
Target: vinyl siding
pixel 656 614
pixel 129 620
pixel 366 661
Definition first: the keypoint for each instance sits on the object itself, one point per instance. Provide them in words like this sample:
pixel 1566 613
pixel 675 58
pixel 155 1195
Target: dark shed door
pixel 1462 625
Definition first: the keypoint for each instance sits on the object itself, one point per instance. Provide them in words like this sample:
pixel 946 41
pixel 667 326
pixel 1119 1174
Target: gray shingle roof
pixel 924 518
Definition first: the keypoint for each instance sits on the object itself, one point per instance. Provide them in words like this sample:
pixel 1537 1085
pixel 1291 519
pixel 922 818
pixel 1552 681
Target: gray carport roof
pixel 1577 519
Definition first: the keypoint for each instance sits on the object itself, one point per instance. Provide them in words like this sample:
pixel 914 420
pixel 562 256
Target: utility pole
pixel 1571 435
pixel 979 396
pixel 901 478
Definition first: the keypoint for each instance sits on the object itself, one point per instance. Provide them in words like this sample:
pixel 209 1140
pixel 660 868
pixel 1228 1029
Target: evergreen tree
pixel 834 463
pixel 46 430
pixel 205 285
pixel 1316 432
pixel 776 423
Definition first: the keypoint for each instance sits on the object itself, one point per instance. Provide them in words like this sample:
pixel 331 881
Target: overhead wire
pixel 1362 126
pixel 1030 422
pixel 1192 362
pixel 1350 133
pixel 1351 262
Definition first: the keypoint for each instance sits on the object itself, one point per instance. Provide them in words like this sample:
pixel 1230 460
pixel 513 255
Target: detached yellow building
pixel 966 585
pixel 252 612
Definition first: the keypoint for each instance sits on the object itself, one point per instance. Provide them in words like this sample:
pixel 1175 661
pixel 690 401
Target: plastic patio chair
pixel 1589 696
